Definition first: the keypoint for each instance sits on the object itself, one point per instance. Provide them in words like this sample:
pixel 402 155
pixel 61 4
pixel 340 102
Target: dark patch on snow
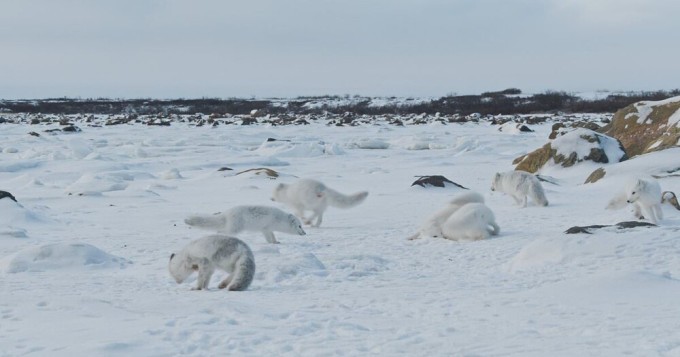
pixel 620 225
pixel 434 180
pixel 5 194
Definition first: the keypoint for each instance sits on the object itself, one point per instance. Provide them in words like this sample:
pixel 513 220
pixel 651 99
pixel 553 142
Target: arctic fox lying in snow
pixel 519 185
pixel 206 254
pixel 473 221
pixel 432 227
pixel 263 219
pixel 645 196
pixel 312 195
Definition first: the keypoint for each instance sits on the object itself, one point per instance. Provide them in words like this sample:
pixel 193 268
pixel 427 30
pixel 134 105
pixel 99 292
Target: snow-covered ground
pixel 84 252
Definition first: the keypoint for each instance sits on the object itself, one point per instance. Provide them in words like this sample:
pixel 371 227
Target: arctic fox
pixel 645 196
pixel 263 219
pixel 206 254
pixel 307 194
pixel 432 227
pixel 519 185
pixel 473 221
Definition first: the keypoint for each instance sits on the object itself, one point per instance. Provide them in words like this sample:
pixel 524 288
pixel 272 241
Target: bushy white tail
pixel 214 222
pixel 337 199
pixel 537 194
pixel 243 274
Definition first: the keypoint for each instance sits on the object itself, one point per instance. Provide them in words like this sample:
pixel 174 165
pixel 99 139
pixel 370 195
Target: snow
pixel 84 253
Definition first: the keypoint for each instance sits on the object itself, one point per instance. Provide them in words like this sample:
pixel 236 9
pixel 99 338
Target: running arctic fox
pixel 645 196
pixel 206 254
pixel 519 185
pixel 312 195
pixel 473 221
pixel 263 219
pixel 432 227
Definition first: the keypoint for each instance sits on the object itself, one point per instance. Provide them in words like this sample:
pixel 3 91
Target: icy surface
pixel 101 211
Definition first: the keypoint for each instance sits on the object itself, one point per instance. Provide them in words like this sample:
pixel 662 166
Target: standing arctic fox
pixel 206 254
pixel 645 196
pixel 473 221
pixel 432 227
pixel 312 195
pixel 263 219
pixel 519 185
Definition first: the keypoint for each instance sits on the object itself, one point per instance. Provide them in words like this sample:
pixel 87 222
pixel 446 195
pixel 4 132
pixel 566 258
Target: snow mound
pixel 416 143
pixel 358 266
pixel 537 254
pixel 91 184
pixel 60 256
pixel 282 148
pixel 297 266
pixel 369 144
pixel 14 219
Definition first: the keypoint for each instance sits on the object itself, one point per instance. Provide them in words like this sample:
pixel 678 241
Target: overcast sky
pixel 279 48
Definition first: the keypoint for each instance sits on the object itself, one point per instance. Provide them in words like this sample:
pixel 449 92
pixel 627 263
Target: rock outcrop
pixel 571 148
pixel 646 126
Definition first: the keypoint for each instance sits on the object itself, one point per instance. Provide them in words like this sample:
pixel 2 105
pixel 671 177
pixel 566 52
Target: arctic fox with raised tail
pixel 432 227
pixel 519 185
pixel 473 221
pixel 311 195
pixel 264 219
pixel 645 196
pixel 205 255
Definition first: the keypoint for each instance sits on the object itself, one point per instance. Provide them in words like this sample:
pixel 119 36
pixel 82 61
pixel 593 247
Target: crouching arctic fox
pixel 645 196
pixel 311 195
pixel 473 221
pixel 206 254
pixel 264 219
pixel 519 185
pixel 432 227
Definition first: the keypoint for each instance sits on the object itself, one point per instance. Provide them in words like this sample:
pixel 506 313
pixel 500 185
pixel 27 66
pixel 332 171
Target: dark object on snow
pixel 620 225
pixel 525 129
pixel 272 139
pixel 4 194
pixel 224 169
pixel 71 129
pixel 434 180
pixel 33 133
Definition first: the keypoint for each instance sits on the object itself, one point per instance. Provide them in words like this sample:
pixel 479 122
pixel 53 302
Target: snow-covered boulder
pixel 571 148
pixel 60 256
pixel 646 126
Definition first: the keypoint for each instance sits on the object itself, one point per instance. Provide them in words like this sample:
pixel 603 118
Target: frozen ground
pixel 83 255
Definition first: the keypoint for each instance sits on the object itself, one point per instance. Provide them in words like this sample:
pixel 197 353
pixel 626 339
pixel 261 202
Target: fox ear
pixel 172 256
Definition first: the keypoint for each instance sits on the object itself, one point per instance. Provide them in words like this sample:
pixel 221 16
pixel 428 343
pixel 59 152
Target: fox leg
pixel 637 211
pixel 204 274
pixel 225 282
pixel 649 213
pixel 269 236
pixel 658 211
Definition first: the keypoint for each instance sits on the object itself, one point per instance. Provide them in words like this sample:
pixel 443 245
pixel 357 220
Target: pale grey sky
pixel 267 48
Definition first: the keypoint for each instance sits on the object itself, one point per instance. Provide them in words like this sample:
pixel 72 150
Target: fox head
pixel 634 193
pixel 297 225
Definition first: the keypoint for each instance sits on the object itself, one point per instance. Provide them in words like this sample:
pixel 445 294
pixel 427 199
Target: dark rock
pixel 434 180
pixel 620 225
pixel 225 169
pixel 33 133
pixel 5 194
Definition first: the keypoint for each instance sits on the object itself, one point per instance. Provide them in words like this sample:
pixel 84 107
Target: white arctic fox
pixel 645 196
pixel 312 195
pixel 206 254
pixel 473 221
pixel 519 185
pixel 432 227
pixel 263 219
